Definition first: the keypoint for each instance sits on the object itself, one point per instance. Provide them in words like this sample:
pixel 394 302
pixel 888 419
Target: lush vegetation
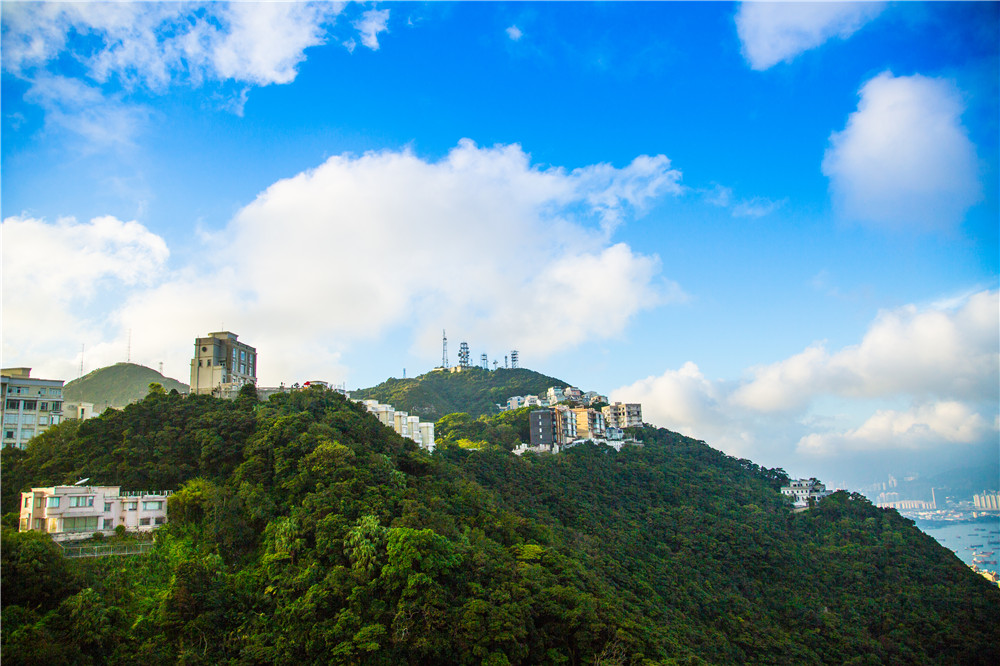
pixel 474 391
pixel 303 531
pixel 117 385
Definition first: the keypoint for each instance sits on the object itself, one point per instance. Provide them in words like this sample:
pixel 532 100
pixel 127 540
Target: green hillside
pixel 474 391
pixel 304 532
pixel 117 385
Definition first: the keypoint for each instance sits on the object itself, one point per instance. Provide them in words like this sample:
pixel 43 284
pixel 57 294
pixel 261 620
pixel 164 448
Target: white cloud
pixel 514 33
pixel 942 359
pixel 773 32
pixel 910 351
pixel 904 159
pixel 922 427
pixel 371 23
pixel 363 246
pixel 154 44
pixel 723 197
pixel 55 273
pixel 72 105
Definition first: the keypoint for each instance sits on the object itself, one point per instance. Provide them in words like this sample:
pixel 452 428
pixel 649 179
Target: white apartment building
pixel 30 405
pixel 77 512
pixel 411 427
pixel 802 490
pixel 623 415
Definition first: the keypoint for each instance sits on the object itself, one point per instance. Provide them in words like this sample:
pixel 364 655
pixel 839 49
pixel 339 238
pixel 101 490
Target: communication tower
pixel 505 364
pixel 483 362
pixel 463 355
pixel 495 364
pixel 444 349
pixel 513 359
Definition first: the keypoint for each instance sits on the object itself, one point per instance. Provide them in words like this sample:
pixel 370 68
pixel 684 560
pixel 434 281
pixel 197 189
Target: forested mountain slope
pixel 474 391
pixel 305 532
pixel 117 385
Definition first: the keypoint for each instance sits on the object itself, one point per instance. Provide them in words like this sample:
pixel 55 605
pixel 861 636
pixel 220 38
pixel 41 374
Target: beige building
pixel 589 423
pixel 77 512
pixel 222 365
pixel 30 405
pixel 623 415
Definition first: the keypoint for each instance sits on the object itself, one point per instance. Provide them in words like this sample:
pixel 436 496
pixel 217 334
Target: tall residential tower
pixel 221 365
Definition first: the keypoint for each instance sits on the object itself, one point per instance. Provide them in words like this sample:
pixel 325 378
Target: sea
pixel 974 542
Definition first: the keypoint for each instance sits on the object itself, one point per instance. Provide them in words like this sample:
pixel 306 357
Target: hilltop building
pixel 222 365
pixel 30 405
pixel 77 512
pixel 623 415
pixel 802 490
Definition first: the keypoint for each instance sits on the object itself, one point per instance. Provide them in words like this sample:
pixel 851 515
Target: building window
pixel 43 420
pixel 109 524
pixel 27 502
pixel 81 500
pixel 43 406
pixel 131 506
pixel 144 521
pixel 159 520
pixel 13 403
pixel 152 506
pixel 80 524
pixel 55 406
pixel 41 391
pixel 39 525
pixel 30 405
pixel 107 507
pixel 28 419
pixel 27 433
pixel 53 503
pixel 40 502
pixel 10 418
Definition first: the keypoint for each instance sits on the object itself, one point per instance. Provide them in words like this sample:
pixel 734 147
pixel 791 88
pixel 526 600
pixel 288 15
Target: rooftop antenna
pixel 513 359
pixel 463 355
pixel 484 363
pixel 82 481
pixel 82 345
pixel 444 349
pixel 495 364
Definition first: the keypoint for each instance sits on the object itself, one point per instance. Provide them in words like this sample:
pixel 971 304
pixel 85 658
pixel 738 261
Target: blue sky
pixel 775 225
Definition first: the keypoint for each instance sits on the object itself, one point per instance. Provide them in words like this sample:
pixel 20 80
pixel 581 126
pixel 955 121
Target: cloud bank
pixel 520 256
pixel 773 32
pixel 904 160
pixel 942 360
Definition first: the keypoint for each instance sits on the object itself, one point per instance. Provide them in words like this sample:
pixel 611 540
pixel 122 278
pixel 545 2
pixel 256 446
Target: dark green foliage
pixel 474 391
pixel 302 531
pixel 118 385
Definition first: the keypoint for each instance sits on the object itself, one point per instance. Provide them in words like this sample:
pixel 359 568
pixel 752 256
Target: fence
pixel 105 550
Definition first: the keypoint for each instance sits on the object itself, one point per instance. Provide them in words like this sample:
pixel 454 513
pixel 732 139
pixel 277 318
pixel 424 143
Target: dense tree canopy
pixel 303 531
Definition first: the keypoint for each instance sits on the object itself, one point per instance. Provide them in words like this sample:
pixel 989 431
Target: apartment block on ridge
pixel 222 365
pixel 30 405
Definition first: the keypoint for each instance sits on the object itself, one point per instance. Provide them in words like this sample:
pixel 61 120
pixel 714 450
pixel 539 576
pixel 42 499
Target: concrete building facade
pixel 30 405
pixel 77 512
pixel 222 365
pixel 623 415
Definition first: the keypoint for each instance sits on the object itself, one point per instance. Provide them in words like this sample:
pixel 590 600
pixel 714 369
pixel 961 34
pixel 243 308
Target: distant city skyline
pixel 773 225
